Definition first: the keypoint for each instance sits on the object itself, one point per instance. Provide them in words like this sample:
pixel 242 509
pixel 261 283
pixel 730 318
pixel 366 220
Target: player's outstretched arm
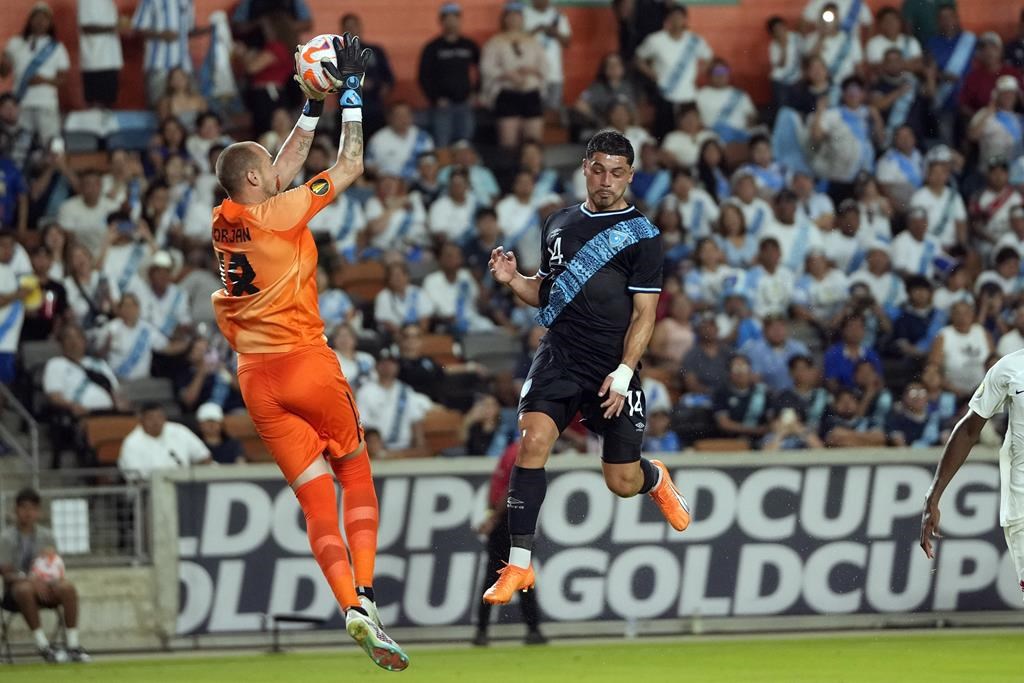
pixel 506 272
pixel 295 149
pixel 347 77
pixel 638 336
pixel 964 437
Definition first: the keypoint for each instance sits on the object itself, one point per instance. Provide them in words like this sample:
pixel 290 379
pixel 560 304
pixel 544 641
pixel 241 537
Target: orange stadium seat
pixel 721 445
pixel 105 434
pixel 362 281
pixel 443 429
pixel 239 426
pixel 440 348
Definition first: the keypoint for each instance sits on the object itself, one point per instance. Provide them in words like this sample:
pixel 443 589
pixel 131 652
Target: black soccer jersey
pixel 592 264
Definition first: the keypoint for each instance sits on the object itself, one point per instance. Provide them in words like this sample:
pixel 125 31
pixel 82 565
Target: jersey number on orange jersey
pixel 236 273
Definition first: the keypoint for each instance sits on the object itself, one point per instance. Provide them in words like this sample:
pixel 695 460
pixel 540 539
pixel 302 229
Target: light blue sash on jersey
pixel 802 290
pixel 946 405
pixel 462 306
pixel 792 74
pixel 347 222
pixel 134 192
pixel 682 65
pixel 138 350
pixel 798 253
pixel 588 260
pixel 936 324
pixel 910 170
pixel 532 221
pixel 959 60
pixel 889 305
pixel 927 256
pixel 1011 123
pixel 930 434
pixel 420 145
pixel 696 218
pixel 841 55
pixel 220 390
pixel 755 408
pixel 787 148
pixel 79 391
pixel 725 130
pixel 816 407
pixel 412 309
pixel 659 187
pixel 771 178
pixel 722 188
pixel 404 226
pixel 947 213
pixel 857 260
pixel 13 316
pixel 172 317
pixel 899 111
pixel 399 417
pixel 33 68
pixel 859 127
pixel 131 266
pixel 757 223
pixel 182 208
pixel 883 404
pixel 545 185
pixel 852 17
pixel 469 232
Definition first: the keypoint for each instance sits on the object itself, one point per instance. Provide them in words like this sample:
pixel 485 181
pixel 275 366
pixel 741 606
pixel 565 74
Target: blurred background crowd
pixel 842 262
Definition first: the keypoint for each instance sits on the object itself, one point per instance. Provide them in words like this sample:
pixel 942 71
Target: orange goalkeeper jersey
pixel 267 262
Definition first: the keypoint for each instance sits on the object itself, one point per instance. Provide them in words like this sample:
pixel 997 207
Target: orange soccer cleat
pixel 510 579
pixel 671 503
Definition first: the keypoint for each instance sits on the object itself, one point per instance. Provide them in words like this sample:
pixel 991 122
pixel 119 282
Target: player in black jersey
pixel 597 290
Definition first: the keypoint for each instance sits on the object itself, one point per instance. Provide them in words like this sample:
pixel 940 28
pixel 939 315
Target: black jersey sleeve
pixel 647 259
pixel 545 255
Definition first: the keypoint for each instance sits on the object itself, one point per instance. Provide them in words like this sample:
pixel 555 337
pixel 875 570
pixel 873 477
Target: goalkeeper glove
pixel 347 74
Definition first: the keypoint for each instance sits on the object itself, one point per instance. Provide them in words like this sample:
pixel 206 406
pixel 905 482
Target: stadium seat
pixel 440 348
pixel 443 429
pixel 496 351
pixel 152 390
pixel 239 426
pixel 666 377
pixel 721 445
pixel 130 139
pixel 35 353
pixel 105 434
pixel 362 281
pixel 77 141
pixel 93 160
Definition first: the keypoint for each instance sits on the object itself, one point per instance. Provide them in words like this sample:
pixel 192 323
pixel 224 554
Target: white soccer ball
pixel 48 567
pixel 320 48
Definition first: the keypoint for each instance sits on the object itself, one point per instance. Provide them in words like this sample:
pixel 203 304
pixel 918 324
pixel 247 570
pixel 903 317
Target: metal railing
pixel 32 456
pixel 95 525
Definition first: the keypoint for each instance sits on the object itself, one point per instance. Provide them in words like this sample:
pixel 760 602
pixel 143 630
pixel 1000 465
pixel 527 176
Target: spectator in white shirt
pixel 99 49
pixel 769 175
pixel 520 218
pixel 128 342
pixel 1005 274
pixel 91 295
pixel 794 232
pixel 890 35
pixel 727 110
pixel 400 302
pixel 768 285
pixel 393 409
pixel 451 215
pixel 946 213
pixel 840 49
pixel 990 209
pixel 673 57
pixel 901 169
pixel 1014 238
pixel 128 247
pixel 841 243
pixel 166 28
pixel 85 215
pixel 156 444
pixel 551 28
pixel 821 293
pixel 208 133
pixel 481 179
pixel 40 64
pixel 684 143
pixel 1014 339
pixel 13 293
pixel 998 128
pixel 357 366
pixel 395 217
pixel 815 206
pixel 849 15
pixel 395 148
pixel 454 294
pixel 914 250
pixel 757 213
pixel 164 303
pixel 698 212
pixel 784 55
pixel 886 287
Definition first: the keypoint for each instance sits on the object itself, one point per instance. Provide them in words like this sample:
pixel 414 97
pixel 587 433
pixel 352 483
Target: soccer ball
pixel 312 53
pixel 48 567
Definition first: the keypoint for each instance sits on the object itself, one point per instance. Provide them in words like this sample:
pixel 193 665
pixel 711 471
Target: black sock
pixel 651 473
pixel 367 591
pixel 525 494
pixel 360 610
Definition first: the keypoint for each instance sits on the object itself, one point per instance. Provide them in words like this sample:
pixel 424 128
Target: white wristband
pixel 308 123
pixel 354 114
pixel 621 377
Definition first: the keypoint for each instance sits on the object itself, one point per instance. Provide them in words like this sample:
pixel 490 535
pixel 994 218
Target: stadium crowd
pixel 841 265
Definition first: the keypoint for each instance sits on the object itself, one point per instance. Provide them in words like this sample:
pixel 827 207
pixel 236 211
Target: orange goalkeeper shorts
pixel 301 405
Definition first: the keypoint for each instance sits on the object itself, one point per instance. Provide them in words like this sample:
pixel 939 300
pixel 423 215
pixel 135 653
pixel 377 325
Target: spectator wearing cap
pixel 395 217
pixel 512 66
pixel 769 284
pixel 551 28
pixel 900 170
pixel 983 79
pixel 400 302
pixel 1013 340
pixel 156 444
pixel 738 246
pixel 770 355
pixel 706 365
pixel 914 250
pixel 1005 274
pixel 793 231
pixel 741 406
pixel 805 394
pixel 890 36
pixel 952 51
pixel 481 179
pixel 960 349
pixel 886 287
pixel 769 175
pixel 39 64
pixel 844 427
pixel 379 79
pixel 900 98
pixel 910 423
pixel 1014 51
pixel 223 449
pixel 1014 237
pixel 820 293
pixel 446 76
pixel 164 304
pixel 683 144
pixel 757 213
pixel 841 358
pixel 99 49
pixel 944 207
pixel 697 211
pixel 673 58
pixel 396 148
pixel 728 110
pixel 520 215
pixel 990 208
pixel 843 138
pixel 815 206
pixel 454 294
pixel 918 323
pixel 393 408
pixel 997 127
pixel 85 214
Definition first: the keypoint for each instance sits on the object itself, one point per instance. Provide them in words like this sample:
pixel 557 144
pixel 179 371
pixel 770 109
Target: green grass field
pixel 932 658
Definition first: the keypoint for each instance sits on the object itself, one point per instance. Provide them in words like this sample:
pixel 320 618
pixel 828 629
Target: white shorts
pixel 1015 542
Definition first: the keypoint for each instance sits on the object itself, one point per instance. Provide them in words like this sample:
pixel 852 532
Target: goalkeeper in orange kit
pixel 296 394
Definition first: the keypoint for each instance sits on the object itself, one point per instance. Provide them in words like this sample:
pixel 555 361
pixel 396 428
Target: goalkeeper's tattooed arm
pixel 350 156
pixel 347 78
pixel 293 155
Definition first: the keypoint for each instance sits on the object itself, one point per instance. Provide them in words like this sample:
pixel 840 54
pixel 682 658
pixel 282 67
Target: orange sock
pixel 320 505
pixel 359 508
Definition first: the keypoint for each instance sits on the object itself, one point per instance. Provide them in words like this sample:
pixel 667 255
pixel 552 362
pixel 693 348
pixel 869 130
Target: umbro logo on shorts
pixel 514 503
